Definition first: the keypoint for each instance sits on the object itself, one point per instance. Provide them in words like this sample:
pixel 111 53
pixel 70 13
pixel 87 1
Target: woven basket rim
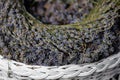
pixel 56 72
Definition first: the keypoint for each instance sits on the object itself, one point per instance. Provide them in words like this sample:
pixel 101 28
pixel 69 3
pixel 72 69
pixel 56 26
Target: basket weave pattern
pixel 96 71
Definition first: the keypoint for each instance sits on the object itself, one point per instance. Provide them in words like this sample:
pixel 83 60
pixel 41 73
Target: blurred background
pixel 58 11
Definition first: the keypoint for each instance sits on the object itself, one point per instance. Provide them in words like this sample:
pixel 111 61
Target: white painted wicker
pixel 106 69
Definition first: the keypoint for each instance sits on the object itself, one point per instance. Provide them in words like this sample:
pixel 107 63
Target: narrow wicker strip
pixel 105 69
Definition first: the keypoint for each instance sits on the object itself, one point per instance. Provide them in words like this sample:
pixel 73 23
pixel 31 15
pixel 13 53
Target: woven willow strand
pixel 13 69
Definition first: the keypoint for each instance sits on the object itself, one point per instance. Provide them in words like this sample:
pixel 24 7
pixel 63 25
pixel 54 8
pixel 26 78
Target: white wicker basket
pixel 106 69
